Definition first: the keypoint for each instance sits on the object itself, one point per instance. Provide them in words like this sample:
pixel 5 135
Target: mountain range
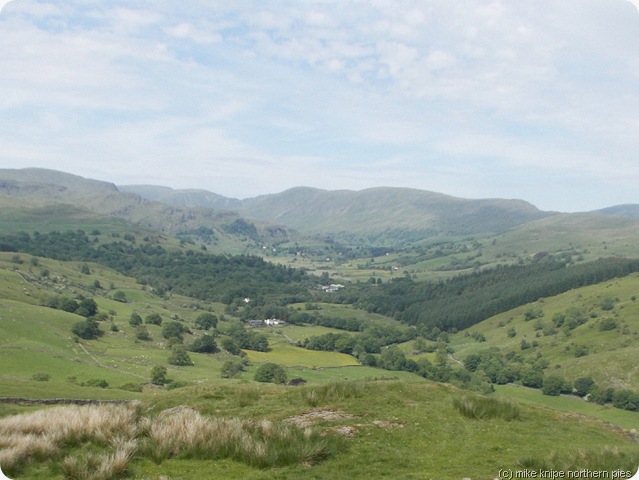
pixel 382 215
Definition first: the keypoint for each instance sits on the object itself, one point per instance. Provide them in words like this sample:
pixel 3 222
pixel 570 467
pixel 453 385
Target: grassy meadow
pixel 361 429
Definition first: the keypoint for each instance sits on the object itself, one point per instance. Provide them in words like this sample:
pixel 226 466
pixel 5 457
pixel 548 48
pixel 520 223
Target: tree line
pixel 466 300
pixel 200 275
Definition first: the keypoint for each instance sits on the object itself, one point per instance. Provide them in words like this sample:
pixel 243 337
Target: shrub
pixel 204 344
pixel 180 357
pixel 142 333
pixel 600 395
pixel 532 377
pixel 96 382
pixel 607 324
pixel 581 350
pixel 87 329
pixel 41 377
pixel 553 386
pixel 583 386
pixel 233 367
pixel 131 387
pixel 231 346
pixel 87 308
pixel 158 375
pixel 608 303
pixel 119 296
pixel 153 319
pixel 174 329
pixel 135 319
pixel 270 372
pixel 173 384
pixel 205 321
pixel 625 399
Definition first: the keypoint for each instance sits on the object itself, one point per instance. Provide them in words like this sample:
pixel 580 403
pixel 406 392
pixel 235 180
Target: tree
pixel 532 377
pixel 583 385
pixel 180 356
pixel 204 344
pixel 158 375
pixel 135 319
pixel 142 333
pixel 231 346
pixel 87 308
pixel 270 372
pixel 232 368
pixel 154 319
pixel 625 399
pixel 600 395
pixel 67 304
pixel 553 386
pixel 472 362
pixel 205 321
pixel 119 296
pixel 173 330
pixel 87 329
pixel 392 358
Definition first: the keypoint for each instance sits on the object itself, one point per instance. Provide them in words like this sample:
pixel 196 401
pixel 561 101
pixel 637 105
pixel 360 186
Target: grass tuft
pixel 331 392
pixel 185 433
pixel 485 408
pixel 108 437
pixel 604 459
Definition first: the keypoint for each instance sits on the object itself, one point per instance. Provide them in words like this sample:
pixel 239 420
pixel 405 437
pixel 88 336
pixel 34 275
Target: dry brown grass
pixel 44 434
pixel 108 437
pixel 105 466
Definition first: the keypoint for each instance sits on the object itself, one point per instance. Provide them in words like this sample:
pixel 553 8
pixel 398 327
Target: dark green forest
pixel 452 305
pixel 200 275
pixel 466 300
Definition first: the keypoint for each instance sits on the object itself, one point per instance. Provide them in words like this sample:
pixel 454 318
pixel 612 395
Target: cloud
pixel 258 96
pixel 3 3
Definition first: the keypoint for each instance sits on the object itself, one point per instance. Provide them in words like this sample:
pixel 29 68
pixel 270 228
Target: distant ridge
pixel 387 209
pixel 34 191
pixel 630 210
pixel 42 176
pixel 183 197
pixel 374 213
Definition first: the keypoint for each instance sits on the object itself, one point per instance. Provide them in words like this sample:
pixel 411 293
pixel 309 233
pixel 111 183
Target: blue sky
pixel 536 100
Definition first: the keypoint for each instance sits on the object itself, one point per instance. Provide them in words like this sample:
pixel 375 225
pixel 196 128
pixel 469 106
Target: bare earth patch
pixel 310 418
pixel 387 424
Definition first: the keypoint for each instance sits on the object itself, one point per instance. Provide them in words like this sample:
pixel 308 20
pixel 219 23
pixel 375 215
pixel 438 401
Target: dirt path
pixel 102 365
pixel 453 359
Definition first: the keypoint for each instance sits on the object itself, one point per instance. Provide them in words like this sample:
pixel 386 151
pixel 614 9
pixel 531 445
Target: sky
pixel 536 100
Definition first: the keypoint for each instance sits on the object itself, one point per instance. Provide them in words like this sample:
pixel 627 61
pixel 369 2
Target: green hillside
pixel 386 366
pixel 604 346
pixel 38 340
pixel 34 199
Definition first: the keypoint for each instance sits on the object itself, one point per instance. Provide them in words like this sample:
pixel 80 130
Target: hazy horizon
pixel 473 99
